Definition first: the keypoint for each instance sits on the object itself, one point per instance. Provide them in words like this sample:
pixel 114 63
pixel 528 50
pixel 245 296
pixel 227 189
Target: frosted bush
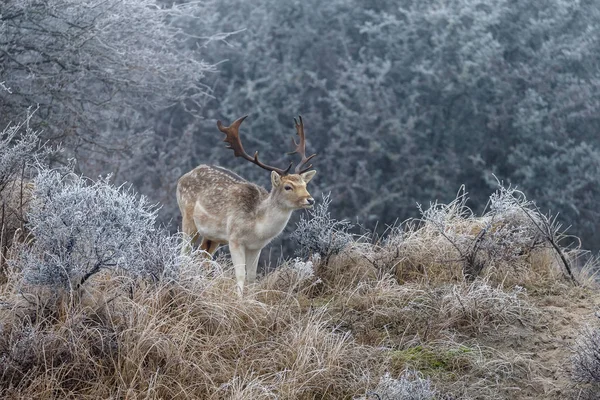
pixel 411 385
pixel 81 228
pixel 320 234
pixel 586 360
pixel 510 229
pixel 305 270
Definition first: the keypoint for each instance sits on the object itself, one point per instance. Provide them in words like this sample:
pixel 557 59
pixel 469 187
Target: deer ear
pixel 308 175
pixel 275 179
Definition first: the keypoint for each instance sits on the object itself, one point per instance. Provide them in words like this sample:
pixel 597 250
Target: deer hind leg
pixel 209 246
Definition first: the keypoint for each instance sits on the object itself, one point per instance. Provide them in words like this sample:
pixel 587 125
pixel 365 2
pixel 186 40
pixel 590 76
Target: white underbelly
pixel 208 226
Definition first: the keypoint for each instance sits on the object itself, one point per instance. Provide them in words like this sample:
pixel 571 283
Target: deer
pixel 222 208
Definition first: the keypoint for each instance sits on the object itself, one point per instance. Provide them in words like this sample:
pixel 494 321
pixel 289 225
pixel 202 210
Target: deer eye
pixel 288 188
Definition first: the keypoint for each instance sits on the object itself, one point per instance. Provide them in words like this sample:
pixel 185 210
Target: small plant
pixel 586 361
pixel 320 234
pixel 305 270
pixel 411 385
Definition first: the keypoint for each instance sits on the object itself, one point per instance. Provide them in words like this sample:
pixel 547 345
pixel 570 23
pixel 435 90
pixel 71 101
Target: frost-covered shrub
pixel 81 227
pixel 586 360
pixel 508 231
pixel 320 234
pixel 411 385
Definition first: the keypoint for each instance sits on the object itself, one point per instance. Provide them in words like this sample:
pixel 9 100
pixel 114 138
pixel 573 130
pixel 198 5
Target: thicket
pixel 404 103
pixel 99 71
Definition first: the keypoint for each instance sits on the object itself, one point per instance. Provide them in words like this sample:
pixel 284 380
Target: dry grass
pixel 176 341
pixel 351 325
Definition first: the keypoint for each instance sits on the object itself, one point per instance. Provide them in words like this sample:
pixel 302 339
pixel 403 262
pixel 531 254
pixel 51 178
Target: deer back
pixel 219 192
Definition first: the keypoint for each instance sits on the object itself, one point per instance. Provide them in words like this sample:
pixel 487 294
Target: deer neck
pixel 273 216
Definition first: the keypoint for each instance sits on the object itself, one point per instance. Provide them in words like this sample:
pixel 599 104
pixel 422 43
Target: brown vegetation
pixel 454 306
pixel 297 334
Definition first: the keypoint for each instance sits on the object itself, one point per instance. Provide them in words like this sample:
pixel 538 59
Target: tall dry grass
pixel 194 340
pixel 357 323
pixel 294 335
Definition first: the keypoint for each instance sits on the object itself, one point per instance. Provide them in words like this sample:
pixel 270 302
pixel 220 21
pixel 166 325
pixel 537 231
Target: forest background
pixel 404 101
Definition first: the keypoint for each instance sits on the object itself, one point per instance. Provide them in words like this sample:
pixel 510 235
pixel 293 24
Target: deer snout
pixel 310 201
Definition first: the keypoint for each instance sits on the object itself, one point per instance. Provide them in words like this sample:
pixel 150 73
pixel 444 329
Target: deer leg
pixel 209 246
pixel 213 247
pixel 205 246
pixel 252 257
pixel 238 256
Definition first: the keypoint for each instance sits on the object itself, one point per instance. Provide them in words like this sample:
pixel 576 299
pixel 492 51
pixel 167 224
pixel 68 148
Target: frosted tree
pixel 101 70
pixel 412 100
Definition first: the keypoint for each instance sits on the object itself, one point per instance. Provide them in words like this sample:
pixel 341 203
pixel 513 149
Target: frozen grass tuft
pixel 478 307
pixel 410 385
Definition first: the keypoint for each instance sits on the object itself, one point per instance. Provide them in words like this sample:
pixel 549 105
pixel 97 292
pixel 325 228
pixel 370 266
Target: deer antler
pixel 234 142
pixel 301 148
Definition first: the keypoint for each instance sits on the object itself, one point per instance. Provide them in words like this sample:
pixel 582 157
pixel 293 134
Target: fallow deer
pixel 223 208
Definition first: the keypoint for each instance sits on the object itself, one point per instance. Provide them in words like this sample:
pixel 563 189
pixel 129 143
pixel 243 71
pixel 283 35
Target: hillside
pixel 452 306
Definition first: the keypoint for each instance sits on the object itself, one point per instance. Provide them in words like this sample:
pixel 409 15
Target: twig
pixel 547 233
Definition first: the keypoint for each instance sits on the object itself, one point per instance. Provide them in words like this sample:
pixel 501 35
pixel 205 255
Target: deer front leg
pixel 252 257
pixel 190 235
pixel 238 257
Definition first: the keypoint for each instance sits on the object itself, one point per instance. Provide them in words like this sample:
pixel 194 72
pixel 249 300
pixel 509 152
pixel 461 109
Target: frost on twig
pixel 4 87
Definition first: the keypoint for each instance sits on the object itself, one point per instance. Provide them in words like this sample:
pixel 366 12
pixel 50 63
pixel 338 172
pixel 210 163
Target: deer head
pixel 289 189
